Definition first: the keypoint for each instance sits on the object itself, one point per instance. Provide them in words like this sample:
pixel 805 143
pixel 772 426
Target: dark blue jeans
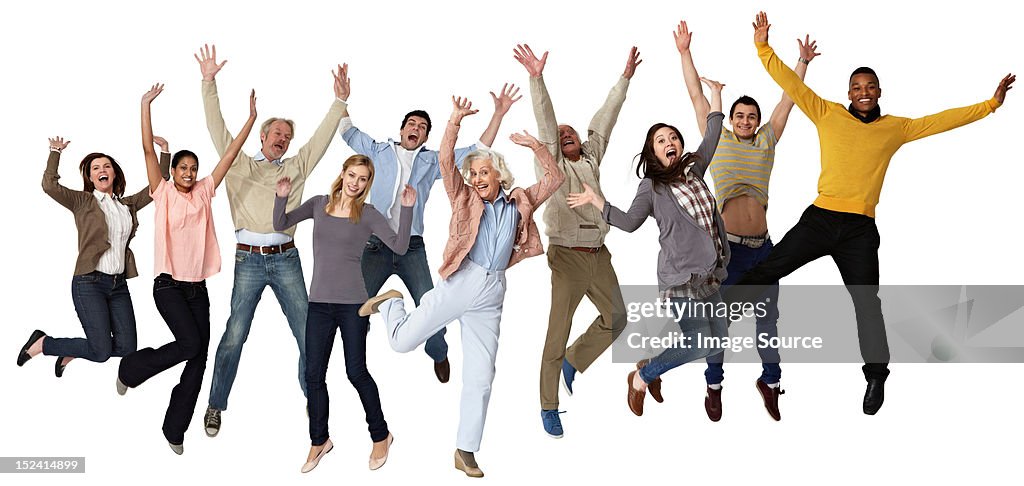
pixel 254 272
pixel 743 259
pixel 105 308
pixel 185 307
pixel 379 263
pixel 323 321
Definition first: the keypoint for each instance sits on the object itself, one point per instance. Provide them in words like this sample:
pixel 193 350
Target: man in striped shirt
pixel 741 168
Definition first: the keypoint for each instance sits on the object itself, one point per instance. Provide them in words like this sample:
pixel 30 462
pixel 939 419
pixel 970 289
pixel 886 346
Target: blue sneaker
pixel 568 375
pixel 552 424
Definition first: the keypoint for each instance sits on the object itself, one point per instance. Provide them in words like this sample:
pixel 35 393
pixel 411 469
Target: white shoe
pixel 122 389
pixel 376 463
pixel 178 449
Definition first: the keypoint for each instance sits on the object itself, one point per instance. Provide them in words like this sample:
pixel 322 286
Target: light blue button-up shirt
pixel 383 192
pixel 497 234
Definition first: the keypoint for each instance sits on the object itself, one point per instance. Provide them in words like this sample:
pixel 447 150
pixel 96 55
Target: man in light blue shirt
pixel 407 161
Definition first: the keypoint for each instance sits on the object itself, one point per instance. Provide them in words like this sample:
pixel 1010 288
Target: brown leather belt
pixel 266 250
pixel 585 249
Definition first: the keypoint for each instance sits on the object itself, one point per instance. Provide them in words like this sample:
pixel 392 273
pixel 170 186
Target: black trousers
pixel 852 241
pixel 185 306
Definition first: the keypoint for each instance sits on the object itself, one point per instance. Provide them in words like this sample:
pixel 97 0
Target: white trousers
pixel 475 297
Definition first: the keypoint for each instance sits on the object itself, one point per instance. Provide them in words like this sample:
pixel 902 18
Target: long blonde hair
pixel 357 204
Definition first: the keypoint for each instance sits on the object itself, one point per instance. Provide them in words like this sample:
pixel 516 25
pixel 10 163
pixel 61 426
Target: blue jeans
pixel 324 322
pixel 692 325
pixel 253 273
pixel 743 259
pixel 105 308
pixel 379 263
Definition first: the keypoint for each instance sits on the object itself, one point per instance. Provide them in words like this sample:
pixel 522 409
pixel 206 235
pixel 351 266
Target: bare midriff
pixel 744 216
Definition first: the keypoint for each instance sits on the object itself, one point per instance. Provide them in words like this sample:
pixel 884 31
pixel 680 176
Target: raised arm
pixel 311 153
pixel 600 129
pixel 283 220
pixel 543 110
pixel 552 177
pixel 152 164
pixel 207 59
pixel 398 242
pixel 64 196
pixel 918 128
pixel 453 181
pixel 808 51
pixel 228 158
pixel 712 134
pixel 509 95
pixel 701 107
pixel 809 102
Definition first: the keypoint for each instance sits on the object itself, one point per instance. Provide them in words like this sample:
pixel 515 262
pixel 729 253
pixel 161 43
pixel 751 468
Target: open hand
pixel 808 48
pixel 162 143
pixel 252 104
pixel 1004 85
pixel 682 35
pixel 588 196
pixel 761 27
pixel 152 93
pixel 284 186
pixel 631 63
pixel 526 140
pixel 525 56
pixel 58 143
pixel 714 85
pixel 461 108
pixel 342 84
pixel 207 60
pixel 508 97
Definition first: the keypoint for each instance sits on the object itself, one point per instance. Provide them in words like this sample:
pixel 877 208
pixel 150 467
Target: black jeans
pixel 852 241
pixel 322 320
pixel 185 306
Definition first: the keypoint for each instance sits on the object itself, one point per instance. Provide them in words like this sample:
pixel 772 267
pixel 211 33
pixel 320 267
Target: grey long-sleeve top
pixel 338 246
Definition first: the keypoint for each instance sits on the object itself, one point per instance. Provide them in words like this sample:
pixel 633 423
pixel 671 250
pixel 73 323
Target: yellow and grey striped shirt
pixel 744 167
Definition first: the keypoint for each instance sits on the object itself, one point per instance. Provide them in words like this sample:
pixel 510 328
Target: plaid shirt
pixel 696 199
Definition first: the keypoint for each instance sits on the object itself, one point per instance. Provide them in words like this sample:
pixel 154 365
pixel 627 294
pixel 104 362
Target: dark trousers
pixel 379 263
pixel 322 321
pixel 852 241
pixel 104 307
pixel 185 306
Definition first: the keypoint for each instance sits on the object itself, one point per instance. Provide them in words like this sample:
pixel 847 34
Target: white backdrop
pixel 79 69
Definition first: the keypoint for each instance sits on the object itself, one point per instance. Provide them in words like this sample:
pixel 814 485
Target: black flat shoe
pixel 23 355
pixel 58 368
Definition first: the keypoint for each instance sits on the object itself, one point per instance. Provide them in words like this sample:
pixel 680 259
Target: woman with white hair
pixel 490 230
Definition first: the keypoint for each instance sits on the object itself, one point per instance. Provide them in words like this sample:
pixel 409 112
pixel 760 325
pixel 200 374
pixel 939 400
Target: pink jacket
pixel 468 207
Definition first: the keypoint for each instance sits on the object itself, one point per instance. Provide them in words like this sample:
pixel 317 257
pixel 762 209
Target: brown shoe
pixel 713 404
pixel 370 307
pixel 634 397
pixel 655 386
pixel 466 462
pixel 771 398
pixel 442 370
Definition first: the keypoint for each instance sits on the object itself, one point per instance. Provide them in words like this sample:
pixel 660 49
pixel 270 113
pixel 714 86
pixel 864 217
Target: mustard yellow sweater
pixel 854 154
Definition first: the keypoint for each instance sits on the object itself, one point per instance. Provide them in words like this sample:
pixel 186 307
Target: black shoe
pixel 58 367
pixel 442 370
pixel 874 395
pixel 23 355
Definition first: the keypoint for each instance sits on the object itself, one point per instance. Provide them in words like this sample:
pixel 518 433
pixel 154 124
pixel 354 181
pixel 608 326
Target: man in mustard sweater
pixel 857 143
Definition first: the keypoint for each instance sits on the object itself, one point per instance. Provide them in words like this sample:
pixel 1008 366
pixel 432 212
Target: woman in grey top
pixel 342 224
pixel 694 252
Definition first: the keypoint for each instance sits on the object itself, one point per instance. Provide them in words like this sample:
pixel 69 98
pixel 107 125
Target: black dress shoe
pixel 442 370
pixel 58 367
pixel 23 355
pixel 874 395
